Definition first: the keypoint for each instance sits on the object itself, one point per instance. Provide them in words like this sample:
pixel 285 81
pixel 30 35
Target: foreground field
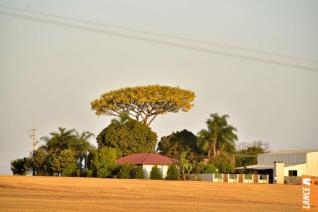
pixel 84 194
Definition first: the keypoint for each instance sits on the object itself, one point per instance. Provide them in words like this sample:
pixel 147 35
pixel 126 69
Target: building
pixel 286 166
pixel 147 161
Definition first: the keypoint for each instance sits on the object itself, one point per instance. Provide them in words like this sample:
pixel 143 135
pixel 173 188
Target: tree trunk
pixel 210 152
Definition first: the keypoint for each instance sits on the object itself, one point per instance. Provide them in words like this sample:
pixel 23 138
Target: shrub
pixel 103 162
pixel 223 162
pixel 210 168
pixel 137 172
pixel 173 173
pixel 124 171
pixel 89 173
pixel 155 173
pixel 70 170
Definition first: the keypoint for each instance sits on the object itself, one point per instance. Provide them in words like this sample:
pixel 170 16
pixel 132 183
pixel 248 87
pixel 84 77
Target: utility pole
pixel 34 143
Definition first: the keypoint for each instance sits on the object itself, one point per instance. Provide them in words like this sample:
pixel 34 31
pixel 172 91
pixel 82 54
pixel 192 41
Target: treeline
pixel 69 153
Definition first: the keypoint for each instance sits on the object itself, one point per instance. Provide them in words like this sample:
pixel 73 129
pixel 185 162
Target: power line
pixel 175 41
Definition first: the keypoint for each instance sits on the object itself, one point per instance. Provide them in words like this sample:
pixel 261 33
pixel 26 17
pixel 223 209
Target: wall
pixel 301 169
pixel 147 170
pixel 287 158
pixel 312 164
pixel 278 173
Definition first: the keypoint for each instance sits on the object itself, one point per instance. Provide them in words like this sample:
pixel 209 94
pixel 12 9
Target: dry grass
pixel 90 194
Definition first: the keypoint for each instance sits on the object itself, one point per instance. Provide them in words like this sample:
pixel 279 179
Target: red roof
pixel 146 159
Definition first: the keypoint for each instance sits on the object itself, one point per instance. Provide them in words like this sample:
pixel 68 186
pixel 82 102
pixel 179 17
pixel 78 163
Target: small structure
pixel 147 161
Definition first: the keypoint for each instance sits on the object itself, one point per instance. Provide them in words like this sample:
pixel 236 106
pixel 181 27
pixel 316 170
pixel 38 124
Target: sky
pixel 49 72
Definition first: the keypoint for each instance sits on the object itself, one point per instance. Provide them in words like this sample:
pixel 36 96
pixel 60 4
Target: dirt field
pixel 90 194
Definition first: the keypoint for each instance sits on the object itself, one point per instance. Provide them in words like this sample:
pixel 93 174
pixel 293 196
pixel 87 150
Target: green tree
pixel 124 171
pixel 104 162
pixel 144 103
pixel 248 156
pixel 65 139
pixel 54 164
pixel 39 162
pixel 20 166
pixel 173 173
pixel 58 141
pixel 68 162
pixel 223 162
pixel 128 136
pixel 155 173
pixel 185 166
pixel 183 141
pixel 219 137
pixel 81 146
pixel 210 168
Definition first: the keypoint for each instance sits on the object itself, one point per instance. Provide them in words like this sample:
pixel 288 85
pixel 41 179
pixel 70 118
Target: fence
pixel 231 178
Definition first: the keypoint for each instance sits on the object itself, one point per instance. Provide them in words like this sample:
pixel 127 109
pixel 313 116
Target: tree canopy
pixel 144 103
pixel 176 143
pixel 128 136
pixel 219 137
pixel 248 156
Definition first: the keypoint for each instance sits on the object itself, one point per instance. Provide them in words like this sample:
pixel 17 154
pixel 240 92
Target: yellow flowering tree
pixel 144 103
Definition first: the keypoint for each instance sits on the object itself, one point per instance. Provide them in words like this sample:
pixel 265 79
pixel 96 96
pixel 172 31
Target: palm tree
pixel 219 137
pixel 58 141
pixel 81 146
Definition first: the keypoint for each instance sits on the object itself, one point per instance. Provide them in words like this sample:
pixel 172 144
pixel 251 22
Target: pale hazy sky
pixel 50 73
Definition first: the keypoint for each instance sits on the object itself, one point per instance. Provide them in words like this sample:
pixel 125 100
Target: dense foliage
pixel 223 162
pixel 20 166
pixel 173 173
pixel 64 153
pixel 155 173
pixel 144 103
pixel 248 156
pixel 129 136
pixel 185 166
pixel 219 136
pixel 103 162
pixel 176 143
pixel 137 172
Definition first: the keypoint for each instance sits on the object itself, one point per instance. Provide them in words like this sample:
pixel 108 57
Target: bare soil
pixel 93 194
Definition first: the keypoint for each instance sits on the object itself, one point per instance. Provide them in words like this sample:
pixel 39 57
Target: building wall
pixel 147 170
pixel 287 158
pixel 278 173
pixel 312 164
pixel 300 168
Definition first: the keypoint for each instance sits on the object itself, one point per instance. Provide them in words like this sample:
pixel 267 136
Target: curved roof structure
pixel 146 159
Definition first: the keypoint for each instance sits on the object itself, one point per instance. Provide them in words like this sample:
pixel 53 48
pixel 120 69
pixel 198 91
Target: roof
pixel 146 159
pixel 294 151
pixel 258 167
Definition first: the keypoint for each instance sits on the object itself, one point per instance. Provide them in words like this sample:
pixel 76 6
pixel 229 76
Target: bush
pixel 124 171
pixel 70 171
pixel 155 173
pixel 173 173
pixel 210 169
pixel 103 162
pixel 223 162
pixel 89 173
pixel 137 172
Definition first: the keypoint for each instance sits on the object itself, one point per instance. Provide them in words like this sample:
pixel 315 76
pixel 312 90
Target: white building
pixel 147 161
pixel 283 164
